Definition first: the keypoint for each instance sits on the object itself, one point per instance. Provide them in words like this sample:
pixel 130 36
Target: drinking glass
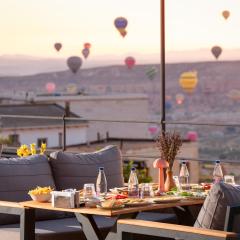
pixel 229 179
pixel 89 191
pixel 177 182
pixel 146 191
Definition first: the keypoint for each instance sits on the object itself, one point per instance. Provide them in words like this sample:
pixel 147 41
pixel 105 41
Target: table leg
pixel 89 226
pixel 27 224
pixel 184 216
pixel 91 230
pixel 112 235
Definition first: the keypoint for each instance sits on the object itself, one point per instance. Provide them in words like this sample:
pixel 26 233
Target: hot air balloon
pixel 85 52
pixel 226 14
pixel 58 46
pixel 72 88
pixel 179 98
pixel 130 62
pixel 151 73
pixel 50 87
pixel 216 51
pixel 168 97
pixel 192 136
pixel 87 45
pixel 74 63
pixel 188 81
pixel 168 105
pixel 153 130
pixel 234 94
pixel 121 24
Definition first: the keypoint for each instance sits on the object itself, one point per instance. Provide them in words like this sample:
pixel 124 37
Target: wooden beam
pixel 172 230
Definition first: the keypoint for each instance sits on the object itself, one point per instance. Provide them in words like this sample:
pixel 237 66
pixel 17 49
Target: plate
pixel 167 199
pixel 137 204
pixel 111 208
pixel 195 197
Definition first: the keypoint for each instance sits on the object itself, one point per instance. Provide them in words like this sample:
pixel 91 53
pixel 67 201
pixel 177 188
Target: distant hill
pixel 20 65
pixel 216 79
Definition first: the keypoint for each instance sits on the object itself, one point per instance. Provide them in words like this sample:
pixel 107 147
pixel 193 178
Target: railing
pixel 65 119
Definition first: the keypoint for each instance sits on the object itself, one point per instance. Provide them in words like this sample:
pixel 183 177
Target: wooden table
pixel 85 215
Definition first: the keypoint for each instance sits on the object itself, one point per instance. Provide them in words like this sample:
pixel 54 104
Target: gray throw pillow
pixel 18 176
pixel 213 212
pixel 72 170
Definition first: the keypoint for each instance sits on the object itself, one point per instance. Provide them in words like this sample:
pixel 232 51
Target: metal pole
pixel 163 117
pixel 64 133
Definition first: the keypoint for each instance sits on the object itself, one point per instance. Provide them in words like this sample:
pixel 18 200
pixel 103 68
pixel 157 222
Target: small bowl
pixel 41 197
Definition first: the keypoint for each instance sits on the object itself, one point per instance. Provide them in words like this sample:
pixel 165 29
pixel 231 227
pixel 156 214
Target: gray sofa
pixel 62 170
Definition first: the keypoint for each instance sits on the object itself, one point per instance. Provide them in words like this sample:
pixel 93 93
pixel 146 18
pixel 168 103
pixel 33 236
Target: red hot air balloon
pixel 74 63
pixel 85 52
pixel 121 23
pixel 226 14
pixel 216 51
pixel 50 87
pixel 58 46
pixel 192 136
pixel 130 62
pixel 179 98
pixel 87 45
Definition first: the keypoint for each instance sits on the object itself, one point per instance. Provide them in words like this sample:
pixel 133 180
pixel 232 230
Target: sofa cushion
pixel 213 212
pixel 18 176
pixel 60 229
pixel 72 170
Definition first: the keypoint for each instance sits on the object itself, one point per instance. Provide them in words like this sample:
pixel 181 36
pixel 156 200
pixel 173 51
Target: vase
pixel 169 183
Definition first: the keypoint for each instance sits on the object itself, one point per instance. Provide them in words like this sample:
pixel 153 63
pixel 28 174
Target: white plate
pixel 111 208
pixel 137 204
pixel 167 199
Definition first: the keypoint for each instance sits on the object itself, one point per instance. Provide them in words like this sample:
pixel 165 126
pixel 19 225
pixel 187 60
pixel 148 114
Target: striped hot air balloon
pixel 188 81
pixel 151 73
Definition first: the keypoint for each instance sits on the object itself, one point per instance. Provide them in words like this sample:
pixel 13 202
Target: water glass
pixel 229 179
pixel 89 191
pixel 177 182
pixel 146 191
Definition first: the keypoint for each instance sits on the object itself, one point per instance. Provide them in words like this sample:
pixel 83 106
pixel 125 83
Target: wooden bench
pixel 127 227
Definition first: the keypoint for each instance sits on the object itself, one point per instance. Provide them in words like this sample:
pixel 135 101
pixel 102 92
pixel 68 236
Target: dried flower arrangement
pixel 169 144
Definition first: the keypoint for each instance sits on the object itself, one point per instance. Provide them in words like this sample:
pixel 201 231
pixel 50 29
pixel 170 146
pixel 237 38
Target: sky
pixel 31 27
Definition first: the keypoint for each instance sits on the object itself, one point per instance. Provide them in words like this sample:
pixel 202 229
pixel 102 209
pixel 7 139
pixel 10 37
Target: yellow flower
pixel 33 148
pixel 19 152
pixel 26 150
pixel 43 148
pixel 23 151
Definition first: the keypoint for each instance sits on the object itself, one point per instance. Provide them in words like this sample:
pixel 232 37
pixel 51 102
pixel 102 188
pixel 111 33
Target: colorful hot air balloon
pixel 58 46
pixel 50 87
pixel 153 130
pixel 216 51
pixel 234 94
pixel 192 136
pixel 74 63
pixel 130 62
pixel 188 81
pixel 121 24
pixel 85 52
pixel 226 14
pixel 168 105
pixel 151 73
pixel 72 88
pixel 87 45
pixel 179 98
pixel 168 97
